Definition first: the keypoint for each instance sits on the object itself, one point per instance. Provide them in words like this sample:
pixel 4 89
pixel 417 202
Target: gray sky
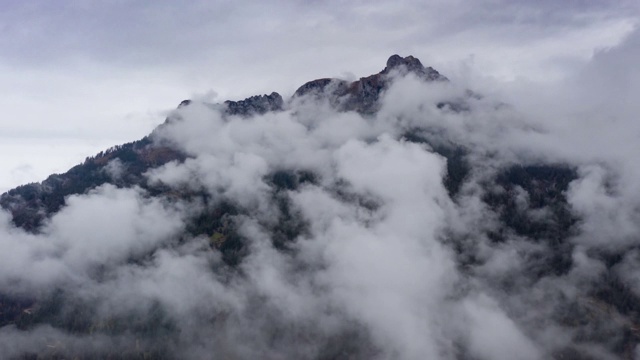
pixel 77 77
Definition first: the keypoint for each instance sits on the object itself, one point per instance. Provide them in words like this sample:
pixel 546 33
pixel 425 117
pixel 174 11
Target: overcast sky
pixel 77 77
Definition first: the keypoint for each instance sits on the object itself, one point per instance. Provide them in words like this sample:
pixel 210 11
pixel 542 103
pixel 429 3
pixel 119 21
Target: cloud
pixel 493 335
pixel 106 226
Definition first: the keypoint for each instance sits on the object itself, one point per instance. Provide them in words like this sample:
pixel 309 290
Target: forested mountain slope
pixel 397 216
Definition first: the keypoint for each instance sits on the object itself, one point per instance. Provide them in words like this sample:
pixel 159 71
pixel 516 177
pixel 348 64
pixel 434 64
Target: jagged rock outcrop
pixel 258 104
pixel 362 95
pixel 411 64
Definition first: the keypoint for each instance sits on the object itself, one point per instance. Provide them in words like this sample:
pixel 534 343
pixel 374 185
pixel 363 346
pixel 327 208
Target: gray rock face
pixel 258 104
pixel 362 95
pixel 322 87
pixel 411 64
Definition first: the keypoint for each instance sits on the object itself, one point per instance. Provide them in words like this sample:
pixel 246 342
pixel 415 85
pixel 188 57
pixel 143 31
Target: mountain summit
pixel 412 65
pixel 362 95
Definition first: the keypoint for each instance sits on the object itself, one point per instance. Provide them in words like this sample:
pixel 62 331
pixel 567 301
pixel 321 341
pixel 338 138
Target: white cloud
pixel 106 226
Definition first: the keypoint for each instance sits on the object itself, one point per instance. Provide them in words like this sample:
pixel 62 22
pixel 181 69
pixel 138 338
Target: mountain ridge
pixel 360 96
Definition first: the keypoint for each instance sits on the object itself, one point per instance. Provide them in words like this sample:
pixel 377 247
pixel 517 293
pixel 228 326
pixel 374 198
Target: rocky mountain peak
pixel 258 104
pixel 362 95
pixel 409 62
pixel 413 65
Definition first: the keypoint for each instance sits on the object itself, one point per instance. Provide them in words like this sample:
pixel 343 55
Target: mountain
pixel 379 218
pixel 27 202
